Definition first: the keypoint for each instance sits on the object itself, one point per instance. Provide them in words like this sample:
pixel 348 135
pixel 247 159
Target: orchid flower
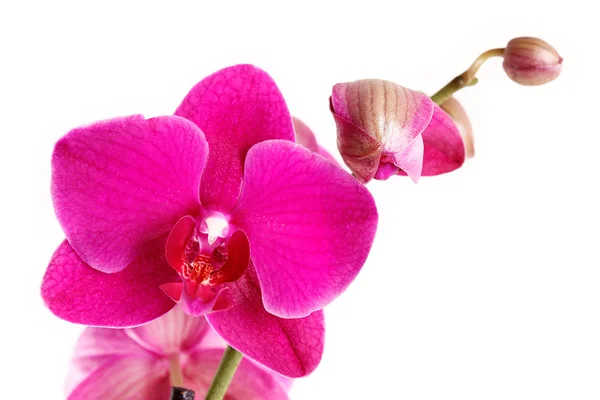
pixel 384 129
pixel 216 209
pixel 144 362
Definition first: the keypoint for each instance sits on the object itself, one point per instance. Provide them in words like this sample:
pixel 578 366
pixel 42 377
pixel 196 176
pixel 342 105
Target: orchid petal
pixel 174 332
pixel 304 135
pixel 238 257
pixel 360 152
pixel 250 381
pixel 292 347
pixel 306 138
pixel 125 377
pixel 310 226
pixel 78 293
pixel 386 169
pixel 98 342
pixel 458 114
pixel 236 108
pixel 444 145
pixel 177 242
pixel 410 159
pixel 118 183
pixel 96 347
pixel 173 290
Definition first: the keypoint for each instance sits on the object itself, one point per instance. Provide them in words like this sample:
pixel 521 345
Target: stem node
pixel 465 79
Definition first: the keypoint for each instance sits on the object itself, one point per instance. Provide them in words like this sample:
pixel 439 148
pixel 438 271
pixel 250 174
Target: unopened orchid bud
pixel 453 108
pixel 384 129
pixel 531 61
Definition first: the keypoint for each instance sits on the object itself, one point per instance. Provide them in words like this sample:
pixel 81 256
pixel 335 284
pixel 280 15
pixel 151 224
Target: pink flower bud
pixel 379 128
pixel 531 61
pixel 453 108
pixel 384 129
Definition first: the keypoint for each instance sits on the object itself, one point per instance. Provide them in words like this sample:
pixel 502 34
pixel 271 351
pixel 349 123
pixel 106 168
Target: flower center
pixel 207 254
pixel 198 270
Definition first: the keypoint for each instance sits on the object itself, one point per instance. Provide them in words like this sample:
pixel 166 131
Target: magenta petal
pixel 444 145
pixel 292 347
pixel 235 107
pixel 173 290
pixel 304 135
pixel 125 377
pixel 177 242
pixel 238 257
pixel 95 343
pixel 174 332
pixel 386 169
pixel 306 138
pixel 458 114
pixel 310 225
pixel 78 293
pixel 250 381
pixel 95 348
pixel 410 159
pixel 117 184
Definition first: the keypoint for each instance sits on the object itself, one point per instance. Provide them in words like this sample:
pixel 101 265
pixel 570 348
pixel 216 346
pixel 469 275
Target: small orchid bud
pixel 531 61
pixel 379 128
pixel 453 108
pixel 384 129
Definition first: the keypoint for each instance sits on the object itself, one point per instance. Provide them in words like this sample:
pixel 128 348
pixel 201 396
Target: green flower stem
pixel 229 363
pixel 465 79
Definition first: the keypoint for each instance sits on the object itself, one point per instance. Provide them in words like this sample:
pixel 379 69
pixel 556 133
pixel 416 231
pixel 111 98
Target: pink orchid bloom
pixel 144 362
pixel 384 129
pixel 216 209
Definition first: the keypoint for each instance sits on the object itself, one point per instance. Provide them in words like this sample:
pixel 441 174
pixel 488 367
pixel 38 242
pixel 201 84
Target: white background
pixel 482 284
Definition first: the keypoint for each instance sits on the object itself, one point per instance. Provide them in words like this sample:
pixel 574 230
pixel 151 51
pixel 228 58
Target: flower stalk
pixel 229 363
pixel 175 371
pixel 465 79
pixel 178 392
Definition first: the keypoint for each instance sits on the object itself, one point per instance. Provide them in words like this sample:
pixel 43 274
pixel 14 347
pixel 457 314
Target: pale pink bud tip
pixel 531 61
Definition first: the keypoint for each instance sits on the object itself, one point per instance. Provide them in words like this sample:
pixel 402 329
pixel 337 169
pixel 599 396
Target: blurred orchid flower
pixel 144 362
pixel 216 209
pixel 384 129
